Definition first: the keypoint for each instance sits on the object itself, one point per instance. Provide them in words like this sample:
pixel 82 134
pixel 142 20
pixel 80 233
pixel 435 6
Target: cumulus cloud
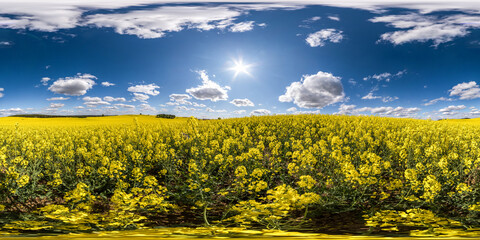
pixel 58 99
pixel 94 101
pixel 124 105
pixel 346 109
pixel 1 92
pixel 381 111
pixel 239 111
pixel 112 99
pixel 242 26
pixel 108 84
pixel 140 97
pixel 177 99
pixel 422 28
pixel 451 110
pixel 466 90
pixel 184 109
pixel 45 81
pixel 209 90
pixel 154 23
pixel 199 105
pixel 73 86
pixel 390 111
pixel 433 101
pixel 146 107
pixel 51 15
pixel 242 102
pixel 150 89
pixel 56 105
pixel 11 111
pixel 385 76
pixel 292 109
pixel 260 112
pixel 318 39
pixel 315 91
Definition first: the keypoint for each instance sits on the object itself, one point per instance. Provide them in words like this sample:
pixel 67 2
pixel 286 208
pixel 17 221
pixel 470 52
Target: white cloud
pixel 292 109
pixel 451 110
pixel 370 96
pixel 421 28
pixel 315 91
pixel 94 101
pixel 51 15
pixel 178 99
pixel 260 112
pixel 79 107
pixel 150 89
pixel 112 99
pixel 346 109
pixel 242 102
pixel 334 18
pixel 209 90
pixel 381 111
pixel 73 86
pixel 1 92
pixel 154 23
pixel 313 19
pixel 140 97
pixel 198 105
pixel 433 101
pixel 108 84
pixel 11 111
pixel 318 39
pixel 466 90
pixel 58 99
pixel 45 81
pixel 124 105
pixel 5 43
pixel 389 99
pixel 146 107
pixel 217 111
pixel 308 112
pixel 390 111
pixel 183 108
pixel 242 26
pixel 239 111
pixel 385 76
pixel 56 105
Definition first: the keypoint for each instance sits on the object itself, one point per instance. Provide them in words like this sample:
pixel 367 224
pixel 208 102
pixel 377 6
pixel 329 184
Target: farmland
pixel 375 175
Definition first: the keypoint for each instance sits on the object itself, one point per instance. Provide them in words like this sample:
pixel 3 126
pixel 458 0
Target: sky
pixel 393 58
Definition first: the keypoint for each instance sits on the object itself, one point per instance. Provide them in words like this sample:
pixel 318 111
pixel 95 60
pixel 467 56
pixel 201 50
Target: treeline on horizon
pixel 57 116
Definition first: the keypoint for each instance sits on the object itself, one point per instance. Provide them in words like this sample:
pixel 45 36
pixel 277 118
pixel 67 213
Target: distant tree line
pixel 55 116
pixel 169 116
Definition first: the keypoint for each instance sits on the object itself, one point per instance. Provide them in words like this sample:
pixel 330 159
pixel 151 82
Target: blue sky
pixel 215 59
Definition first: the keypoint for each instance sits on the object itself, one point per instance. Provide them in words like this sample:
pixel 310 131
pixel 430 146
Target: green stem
pixel 205 215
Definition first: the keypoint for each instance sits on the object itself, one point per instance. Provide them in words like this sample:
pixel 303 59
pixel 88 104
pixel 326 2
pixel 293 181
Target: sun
pixel 239 67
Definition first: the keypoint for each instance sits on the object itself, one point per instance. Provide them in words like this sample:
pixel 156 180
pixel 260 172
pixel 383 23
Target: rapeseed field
pixel 415 177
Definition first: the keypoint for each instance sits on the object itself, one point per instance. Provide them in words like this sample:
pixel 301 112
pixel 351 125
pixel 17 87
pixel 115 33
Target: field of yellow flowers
pixel 275 172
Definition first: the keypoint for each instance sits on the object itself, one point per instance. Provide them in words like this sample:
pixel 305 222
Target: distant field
pixel 88 121
pixel 467 121
pixel 318 173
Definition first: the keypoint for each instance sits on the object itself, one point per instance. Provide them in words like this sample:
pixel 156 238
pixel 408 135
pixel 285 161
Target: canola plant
pixel 261 172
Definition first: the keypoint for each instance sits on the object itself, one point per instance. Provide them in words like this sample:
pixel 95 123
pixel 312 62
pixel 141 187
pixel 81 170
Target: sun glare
pixel 239 67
